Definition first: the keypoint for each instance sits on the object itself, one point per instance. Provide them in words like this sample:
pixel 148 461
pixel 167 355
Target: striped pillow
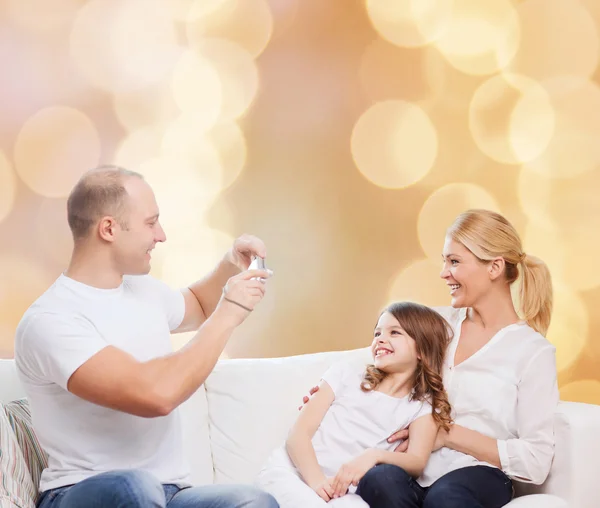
pixel 16 486
pixel 19 416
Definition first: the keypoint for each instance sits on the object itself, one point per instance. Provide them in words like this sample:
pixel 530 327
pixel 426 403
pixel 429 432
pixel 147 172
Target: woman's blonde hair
pixel 489 235
pixel 432 335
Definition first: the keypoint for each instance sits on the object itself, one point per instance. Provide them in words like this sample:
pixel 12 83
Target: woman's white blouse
pixel 507 390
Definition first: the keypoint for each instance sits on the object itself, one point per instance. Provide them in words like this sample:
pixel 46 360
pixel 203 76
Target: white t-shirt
pixel 64 328
pixel 507 390
pixel 357 420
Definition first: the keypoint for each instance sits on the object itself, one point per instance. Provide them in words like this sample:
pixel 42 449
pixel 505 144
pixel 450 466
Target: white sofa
pixel 247 406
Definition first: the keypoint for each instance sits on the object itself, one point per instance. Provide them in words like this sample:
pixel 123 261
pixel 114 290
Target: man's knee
pixel 135 488
pixel 257 498
pixel 385 479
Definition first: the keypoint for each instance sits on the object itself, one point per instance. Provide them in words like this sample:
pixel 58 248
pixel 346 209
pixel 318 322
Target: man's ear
pixel 107 228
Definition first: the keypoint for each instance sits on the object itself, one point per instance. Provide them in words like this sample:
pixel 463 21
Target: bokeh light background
pixel 347 134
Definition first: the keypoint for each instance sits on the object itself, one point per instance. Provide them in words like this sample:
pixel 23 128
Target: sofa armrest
pixel 574 473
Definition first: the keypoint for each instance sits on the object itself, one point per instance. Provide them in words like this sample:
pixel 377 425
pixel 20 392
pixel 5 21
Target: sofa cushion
pixel 252 403
pixel 16 486
pixel 19 416
pixel 194 415
pixel 538 501
pixel 576 459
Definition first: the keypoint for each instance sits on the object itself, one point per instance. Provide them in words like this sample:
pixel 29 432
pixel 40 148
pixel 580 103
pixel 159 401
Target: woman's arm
pixel 299 442
pixel 471 442
pixel 529 456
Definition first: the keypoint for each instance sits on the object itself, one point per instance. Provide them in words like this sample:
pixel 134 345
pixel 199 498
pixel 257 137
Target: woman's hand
pixel 402 437
pixel 352 472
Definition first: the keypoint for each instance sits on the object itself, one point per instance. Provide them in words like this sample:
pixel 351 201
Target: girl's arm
pixel 299 442
pixel 422 434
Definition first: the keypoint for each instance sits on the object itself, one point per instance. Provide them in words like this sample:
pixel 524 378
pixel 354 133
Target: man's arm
pixel 114 379
pixel 201 297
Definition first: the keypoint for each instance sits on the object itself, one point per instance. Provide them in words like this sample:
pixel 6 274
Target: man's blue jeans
pixel 387 486
pixel 139 489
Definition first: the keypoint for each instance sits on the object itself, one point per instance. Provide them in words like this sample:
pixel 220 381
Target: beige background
pixel 347 134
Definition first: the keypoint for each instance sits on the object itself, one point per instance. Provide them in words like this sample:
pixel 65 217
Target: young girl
pixel 342 432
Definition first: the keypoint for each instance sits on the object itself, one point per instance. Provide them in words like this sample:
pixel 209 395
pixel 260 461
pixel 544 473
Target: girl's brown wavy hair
pixel 432 335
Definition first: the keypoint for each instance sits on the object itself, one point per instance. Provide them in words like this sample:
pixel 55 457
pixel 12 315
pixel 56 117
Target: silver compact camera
pixel 258 263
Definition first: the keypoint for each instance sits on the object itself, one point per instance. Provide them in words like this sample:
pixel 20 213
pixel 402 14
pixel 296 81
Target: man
pixel 95 358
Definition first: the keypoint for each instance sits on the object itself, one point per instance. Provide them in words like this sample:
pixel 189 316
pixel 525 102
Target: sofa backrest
pixel 10 386
pixel 253 403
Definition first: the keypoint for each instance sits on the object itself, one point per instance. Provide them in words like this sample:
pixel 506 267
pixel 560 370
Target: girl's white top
pixel 358 420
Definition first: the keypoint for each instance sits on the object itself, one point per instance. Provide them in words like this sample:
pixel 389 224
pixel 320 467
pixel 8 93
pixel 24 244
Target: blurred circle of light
pixel 237 72
pixel 410 23
pixel 181 188
pixel 573 148
pixel 22 280
pixel 565 219
pixel 230 143
pixel 586 390
pixel 8 187
pixel 192 251
pixel 42 16
pixel 511 120
pixel 181 10
pixel 52 230
pixel 197 89
pixel 482 37
pixel 249 23
pixel 139 146
pixel 54 148
pixel 442 207
pixel 181 142
pixel 558 38
pixel 569 326
pixel 394 144
pixel 150 105
pixel 124 45
pixel 420 282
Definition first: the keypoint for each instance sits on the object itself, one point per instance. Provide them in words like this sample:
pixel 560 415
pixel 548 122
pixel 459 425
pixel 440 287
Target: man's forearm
pixel 174 378
pixel 208 289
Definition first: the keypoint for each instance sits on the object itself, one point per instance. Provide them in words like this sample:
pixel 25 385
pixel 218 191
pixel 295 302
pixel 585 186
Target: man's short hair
pixel 99 192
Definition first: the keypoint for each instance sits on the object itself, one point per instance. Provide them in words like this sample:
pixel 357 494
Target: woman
pixel 500 375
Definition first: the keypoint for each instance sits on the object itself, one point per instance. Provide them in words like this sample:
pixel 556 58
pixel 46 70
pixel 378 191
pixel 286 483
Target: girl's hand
pixel 323 489
pixel 352 472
